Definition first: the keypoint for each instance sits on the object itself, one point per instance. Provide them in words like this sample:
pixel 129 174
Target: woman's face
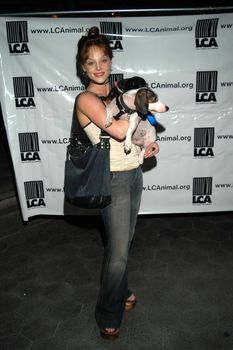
pixel 97 65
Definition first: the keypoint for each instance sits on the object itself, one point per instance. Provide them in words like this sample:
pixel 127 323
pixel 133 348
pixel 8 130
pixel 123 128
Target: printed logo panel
pixel 113 78
pixel 206 33
pixel 113 30
pixel 17 37
pixel 34 192
pixel 202 190
pixel 24 92
pixel 206 86
pixel 29 147
pixel 203 142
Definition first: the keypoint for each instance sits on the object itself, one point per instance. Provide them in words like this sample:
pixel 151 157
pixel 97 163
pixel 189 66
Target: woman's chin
pixel 99 81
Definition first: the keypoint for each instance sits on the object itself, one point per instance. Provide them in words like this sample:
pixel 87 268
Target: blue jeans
pixel 119 220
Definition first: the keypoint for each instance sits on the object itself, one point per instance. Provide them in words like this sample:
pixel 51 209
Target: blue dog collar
pixel 151 118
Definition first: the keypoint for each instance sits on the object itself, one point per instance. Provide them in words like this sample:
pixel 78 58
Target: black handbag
pixel 87 173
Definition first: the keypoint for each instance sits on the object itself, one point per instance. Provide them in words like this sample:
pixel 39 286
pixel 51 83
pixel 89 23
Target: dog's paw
pixel 108 120
pixel 108 123
pixel 141 158
pixel 127 146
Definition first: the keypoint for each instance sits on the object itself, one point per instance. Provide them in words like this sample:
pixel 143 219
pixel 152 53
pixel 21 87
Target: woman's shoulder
pixel 87 97
pixel 82 96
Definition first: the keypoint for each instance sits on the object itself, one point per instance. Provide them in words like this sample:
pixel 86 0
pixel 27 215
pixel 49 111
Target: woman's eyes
pixel 92 63
pixel 105 60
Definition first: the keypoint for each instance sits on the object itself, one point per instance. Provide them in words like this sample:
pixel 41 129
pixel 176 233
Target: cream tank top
pixel 119 160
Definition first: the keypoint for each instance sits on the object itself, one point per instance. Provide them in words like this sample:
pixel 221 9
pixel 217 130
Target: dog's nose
pixel 167 108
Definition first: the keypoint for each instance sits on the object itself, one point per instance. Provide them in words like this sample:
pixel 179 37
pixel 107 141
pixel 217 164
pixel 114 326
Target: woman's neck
pixel 99 89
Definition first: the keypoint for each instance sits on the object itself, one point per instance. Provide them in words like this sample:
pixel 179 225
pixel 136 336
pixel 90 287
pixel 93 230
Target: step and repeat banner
pixel 186 60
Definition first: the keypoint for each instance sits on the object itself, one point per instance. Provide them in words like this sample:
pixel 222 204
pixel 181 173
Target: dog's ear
pixel 141 101
pixel 131 83
pixel 122 85
pixel 135 83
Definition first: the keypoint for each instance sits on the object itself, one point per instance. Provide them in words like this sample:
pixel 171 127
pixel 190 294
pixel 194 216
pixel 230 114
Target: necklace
pixel 99 96
pixel 96 86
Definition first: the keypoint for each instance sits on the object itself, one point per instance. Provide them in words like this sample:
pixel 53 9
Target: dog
pixel 134 105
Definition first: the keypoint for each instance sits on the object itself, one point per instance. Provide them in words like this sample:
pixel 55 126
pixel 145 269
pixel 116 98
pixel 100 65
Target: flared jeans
pixel 120 219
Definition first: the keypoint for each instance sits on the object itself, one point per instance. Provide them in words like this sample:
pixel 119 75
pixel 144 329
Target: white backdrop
pixel 187 60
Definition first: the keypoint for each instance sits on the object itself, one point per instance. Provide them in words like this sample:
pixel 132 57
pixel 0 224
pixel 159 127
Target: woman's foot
pixel 109 333
pixel 130 302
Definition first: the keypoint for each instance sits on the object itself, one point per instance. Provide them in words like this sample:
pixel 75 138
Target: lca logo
pixel 17 37
pixel 206 33
pixel 203 142
pixel 206 86
pixel 34 192
pixel 29 147
pixel 202 190
pixel 24 92
pixel 113 30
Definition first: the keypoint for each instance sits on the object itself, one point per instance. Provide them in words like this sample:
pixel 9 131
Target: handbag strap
pixel 104 134
pixel 104 140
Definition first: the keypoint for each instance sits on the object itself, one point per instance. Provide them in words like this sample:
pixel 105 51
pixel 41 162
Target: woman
pixel 94 60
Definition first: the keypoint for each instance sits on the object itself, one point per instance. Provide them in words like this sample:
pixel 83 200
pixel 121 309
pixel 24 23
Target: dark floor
pixel 180 268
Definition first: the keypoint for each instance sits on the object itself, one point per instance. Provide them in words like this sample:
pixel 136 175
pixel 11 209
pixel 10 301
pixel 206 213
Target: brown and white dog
pixel 134 106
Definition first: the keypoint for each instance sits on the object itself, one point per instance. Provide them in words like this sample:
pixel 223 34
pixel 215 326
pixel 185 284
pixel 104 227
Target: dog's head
pixel 125 85
pixel 143 97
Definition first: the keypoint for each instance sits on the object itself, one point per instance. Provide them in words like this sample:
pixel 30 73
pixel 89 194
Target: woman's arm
pixel 90 107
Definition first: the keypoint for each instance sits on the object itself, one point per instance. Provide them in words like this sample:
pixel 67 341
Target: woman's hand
pixel 151 150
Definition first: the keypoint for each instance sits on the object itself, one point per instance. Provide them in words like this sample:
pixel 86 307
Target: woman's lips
pixel 99 74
